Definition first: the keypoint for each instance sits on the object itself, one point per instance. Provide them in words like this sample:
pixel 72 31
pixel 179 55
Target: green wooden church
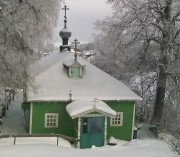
pixel 74 98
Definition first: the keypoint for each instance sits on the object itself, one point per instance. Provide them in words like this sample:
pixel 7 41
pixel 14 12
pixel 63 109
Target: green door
pixel 75 72
pixel 92 132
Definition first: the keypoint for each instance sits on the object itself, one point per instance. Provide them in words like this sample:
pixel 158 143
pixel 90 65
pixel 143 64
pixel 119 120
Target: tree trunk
pixel 160 94
pixel 163 64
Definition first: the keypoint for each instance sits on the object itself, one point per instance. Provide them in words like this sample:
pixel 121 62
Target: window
pixel 96 125
pixel 51 120
pixel 75 72
pixel 118 120
pixel 85 125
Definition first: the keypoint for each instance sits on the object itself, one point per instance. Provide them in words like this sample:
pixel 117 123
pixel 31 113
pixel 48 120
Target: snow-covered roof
pixel 69 61
pixel 45 62
pixel 52 82
pixel 85 106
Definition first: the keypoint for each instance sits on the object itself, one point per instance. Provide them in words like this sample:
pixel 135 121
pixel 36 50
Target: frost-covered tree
pixel 146 33
pixel 26 28
pixel 175 144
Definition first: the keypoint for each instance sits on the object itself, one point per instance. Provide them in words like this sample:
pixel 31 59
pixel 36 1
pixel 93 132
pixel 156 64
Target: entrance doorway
pixel 92 132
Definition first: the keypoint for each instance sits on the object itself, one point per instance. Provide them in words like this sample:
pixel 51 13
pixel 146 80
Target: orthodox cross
pixel 65 9
pixel 95 100
pixel 75 42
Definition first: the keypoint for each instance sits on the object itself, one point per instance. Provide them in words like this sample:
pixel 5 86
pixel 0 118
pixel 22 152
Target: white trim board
pixel 133 122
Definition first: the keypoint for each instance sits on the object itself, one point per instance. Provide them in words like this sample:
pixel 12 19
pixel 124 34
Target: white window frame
pixel 116 119
pixel 54 117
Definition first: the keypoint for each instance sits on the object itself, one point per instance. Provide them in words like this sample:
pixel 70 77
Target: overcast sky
pixel 81 16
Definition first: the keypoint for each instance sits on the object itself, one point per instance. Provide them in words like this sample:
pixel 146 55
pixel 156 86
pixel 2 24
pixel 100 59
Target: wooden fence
pixel 68 138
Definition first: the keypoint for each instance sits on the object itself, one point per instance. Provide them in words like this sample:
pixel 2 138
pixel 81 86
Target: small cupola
pixel 65 34
pixel 74 67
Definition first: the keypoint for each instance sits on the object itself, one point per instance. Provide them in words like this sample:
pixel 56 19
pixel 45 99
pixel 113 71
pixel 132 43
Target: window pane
pixel 117 121
pixel 96 125
pixel 51 120
pixel 85 125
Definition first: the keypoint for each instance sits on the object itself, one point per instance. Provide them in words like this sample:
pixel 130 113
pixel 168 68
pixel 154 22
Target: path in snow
pixel 13 122
pixel 145 133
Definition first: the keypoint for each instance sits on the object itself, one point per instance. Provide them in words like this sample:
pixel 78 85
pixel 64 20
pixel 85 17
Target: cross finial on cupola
pixel 65 34
pixel 65 17
pixel 75 49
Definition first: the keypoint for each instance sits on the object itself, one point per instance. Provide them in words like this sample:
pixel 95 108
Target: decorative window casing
pixel 117 120
pixel 51 120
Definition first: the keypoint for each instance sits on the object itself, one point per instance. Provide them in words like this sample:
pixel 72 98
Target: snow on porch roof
pixel 84 106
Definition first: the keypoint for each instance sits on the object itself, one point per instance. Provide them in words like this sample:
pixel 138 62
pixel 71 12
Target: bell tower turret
pixel 65 34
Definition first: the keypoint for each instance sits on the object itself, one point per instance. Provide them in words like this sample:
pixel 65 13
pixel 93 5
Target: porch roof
pixel 82 107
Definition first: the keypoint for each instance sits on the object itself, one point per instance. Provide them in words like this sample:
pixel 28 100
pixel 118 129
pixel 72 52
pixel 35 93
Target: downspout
pixel 79 132
pixel 25 120
pixel 105 130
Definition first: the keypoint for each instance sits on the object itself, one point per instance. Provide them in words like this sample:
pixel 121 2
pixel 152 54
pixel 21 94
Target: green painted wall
pixel 67 126
pixel 65 123
pixel 27 119
pixel 26 109
pixel 123 132
pixel 25 106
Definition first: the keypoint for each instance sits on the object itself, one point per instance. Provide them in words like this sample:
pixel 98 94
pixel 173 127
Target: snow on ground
pixel 139 148
pixel 35 141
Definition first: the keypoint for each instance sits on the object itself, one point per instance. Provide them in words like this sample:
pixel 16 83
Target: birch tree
pixel 26 28
pixel 148 32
